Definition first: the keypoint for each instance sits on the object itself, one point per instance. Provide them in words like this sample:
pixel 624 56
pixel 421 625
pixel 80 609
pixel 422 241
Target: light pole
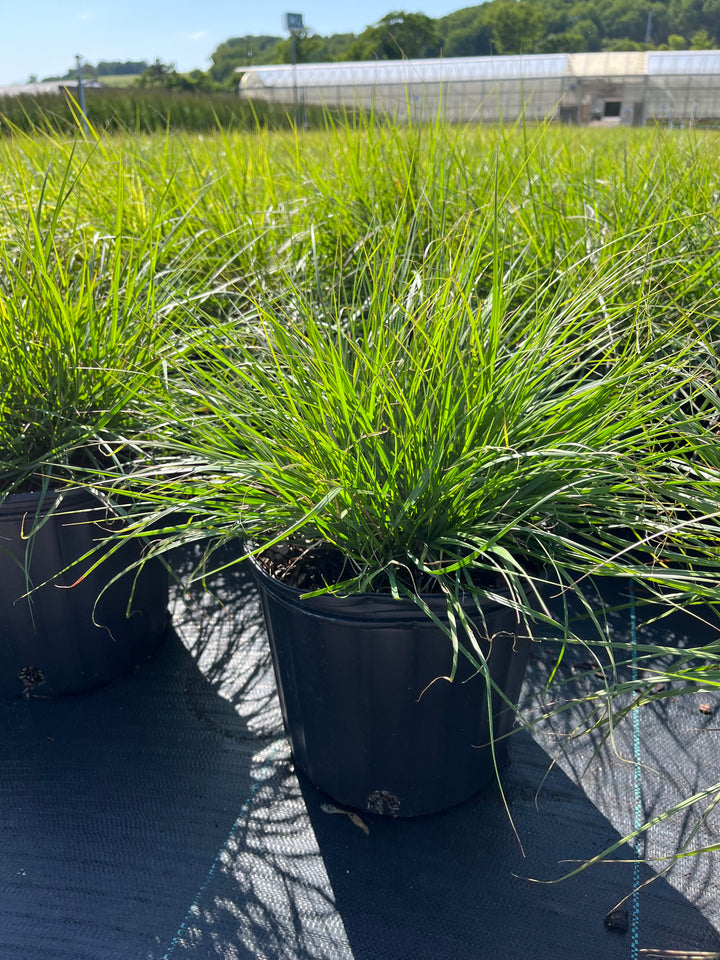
pixel 81 94
pixel 294 24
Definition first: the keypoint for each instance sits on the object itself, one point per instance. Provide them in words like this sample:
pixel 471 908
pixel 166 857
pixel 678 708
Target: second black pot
pixel 63 634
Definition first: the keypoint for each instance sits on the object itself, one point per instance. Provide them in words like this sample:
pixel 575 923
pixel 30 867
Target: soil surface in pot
pixel 312 566
pixel 305 566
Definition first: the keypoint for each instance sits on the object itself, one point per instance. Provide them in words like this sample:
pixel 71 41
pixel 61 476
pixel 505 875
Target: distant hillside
pixel 495 27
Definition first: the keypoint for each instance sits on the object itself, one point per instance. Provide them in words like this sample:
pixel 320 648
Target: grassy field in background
pixel 240 212
pixel 119 81
pixel 125 109
pixel 560 192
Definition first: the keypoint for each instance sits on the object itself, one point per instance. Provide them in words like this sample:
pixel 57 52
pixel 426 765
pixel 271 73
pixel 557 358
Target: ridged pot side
pixel 58 635
pixel 350 675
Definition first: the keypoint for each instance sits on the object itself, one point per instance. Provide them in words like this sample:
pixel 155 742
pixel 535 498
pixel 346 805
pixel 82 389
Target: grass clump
pixel 81 337
pixel 444 438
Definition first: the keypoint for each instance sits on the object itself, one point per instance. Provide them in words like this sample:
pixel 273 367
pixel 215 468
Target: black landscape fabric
pixel 160 817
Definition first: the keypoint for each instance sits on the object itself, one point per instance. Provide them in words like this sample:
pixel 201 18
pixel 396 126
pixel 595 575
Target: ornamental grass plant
pixel 81 337
pixel 449 432
pixel 358 229
pixel 452 424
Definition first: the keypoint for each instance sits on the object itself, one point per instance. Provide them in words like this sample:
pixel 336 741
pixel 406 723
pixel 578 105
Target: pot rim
pixel 40 501
pixel 378 605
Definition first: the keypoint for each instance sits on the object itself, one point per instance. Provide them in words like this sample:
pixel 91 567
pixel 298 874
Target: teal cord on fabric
pixel 194 909
pixel 635 922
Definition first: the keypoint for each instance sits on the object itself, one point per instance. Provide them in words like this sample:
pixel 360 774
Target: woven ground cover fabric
pixel 160 817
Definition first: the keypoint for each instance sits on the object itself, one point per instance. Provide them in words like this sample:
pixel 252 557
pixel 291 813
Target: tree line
pixel 105 68
pixel 495 27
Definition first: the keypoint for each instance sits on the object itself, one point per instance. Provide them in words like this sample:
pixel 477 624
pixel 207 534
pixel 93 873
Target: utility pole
pixel 81 94
pixel 293 61
pixel 294 24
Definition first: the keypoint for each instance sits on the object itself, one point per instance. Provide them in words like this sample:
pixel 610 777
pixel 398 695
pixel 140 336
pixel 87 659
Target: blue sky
pixel 42 36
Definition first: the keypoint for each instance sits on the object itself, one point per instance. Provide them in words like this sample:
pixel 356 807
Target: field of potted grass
pixel 474 363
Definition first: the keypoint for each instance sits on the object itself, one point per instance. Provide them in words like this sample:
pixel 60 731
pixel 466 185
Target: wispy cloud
pixel 197 36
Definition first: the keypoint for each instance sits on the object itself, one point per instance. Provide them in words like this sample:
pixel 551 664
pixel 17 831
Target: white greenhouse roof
pixel 607 64
pixel 36 89
pixel 458 69
pixel 684 62
pixel 374 72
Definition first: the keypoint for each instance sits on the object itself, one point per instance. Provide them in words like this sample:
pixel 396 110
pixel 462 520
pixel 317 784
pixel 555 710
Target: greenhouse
pixel 577 88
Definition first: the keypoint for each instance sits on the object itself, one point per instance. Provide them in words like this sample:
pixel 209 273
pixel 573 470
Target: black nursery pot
pixel 350 674
pixel 67 636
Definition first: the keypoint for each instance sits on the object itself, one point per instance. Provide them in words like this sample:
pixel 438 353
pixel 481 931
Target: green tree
pixel 621 45
pixel 624 19
pixel 495 26
pixel 242 52
pixel 467 33
pixel 310 48
pixel 335 46
pixel 685 17
pixel 158 74
pixel 701 40
pixel 469 42
pixel 711 17
pixel 396 36
pixel 517 26
pixel 583 37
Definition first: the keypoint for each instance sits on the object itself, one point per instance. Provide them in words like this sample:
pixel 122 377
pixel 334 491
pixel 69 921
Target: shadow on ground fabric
pixel 160 818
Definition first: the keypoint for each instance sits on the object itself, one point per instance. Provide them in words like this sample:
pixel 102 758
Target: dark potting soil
pixel 313 566
pixel 306 566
